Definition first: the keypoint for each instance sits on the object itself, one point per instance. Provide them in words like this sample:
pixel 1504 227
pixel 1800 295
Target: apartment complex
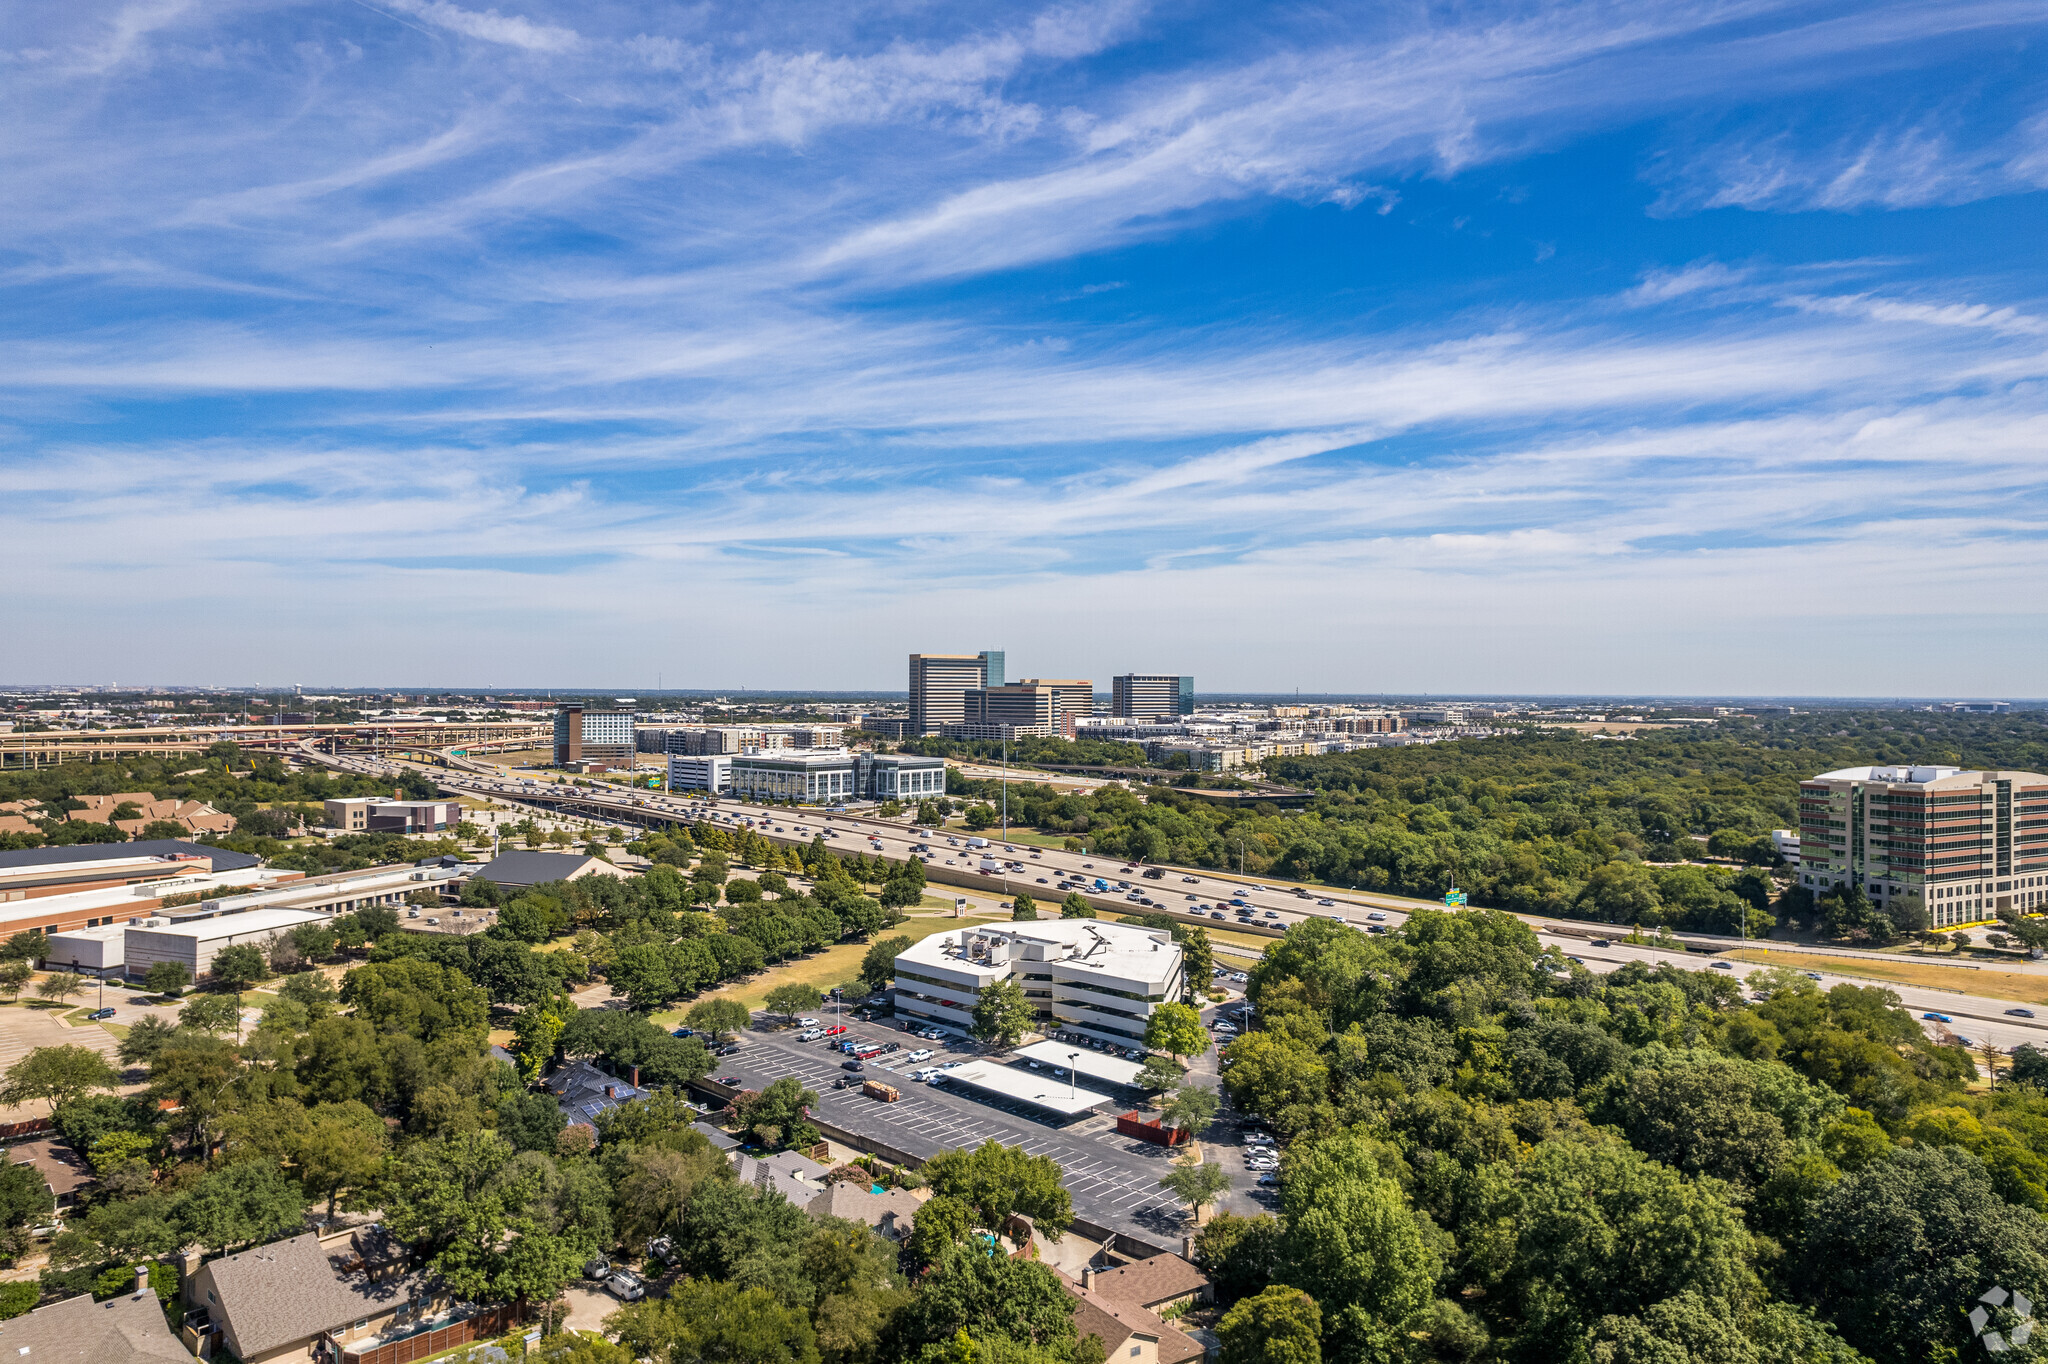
pixel 701 739
pixel 1967 843
pixel 597 736
pixel 939 684
pixel 1084 975
pixel 836 775
pixel 1148 696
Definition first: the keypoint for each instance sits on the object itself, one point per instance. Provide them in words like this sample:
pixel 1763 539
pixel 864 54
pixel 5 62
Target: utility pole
pixel 1006 788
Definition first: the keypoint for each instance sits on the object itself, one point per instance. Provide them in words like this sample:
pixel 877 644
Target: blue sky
pixel 1583 347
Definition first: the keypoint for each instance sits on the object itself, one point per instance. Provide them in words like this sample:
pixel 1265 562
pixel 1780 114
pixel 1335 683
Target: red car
pixel 835 1030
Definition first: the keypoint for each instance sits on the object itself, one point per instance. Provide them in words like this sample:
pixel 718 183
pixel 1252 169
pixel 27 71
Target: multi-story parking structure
pixel 1081 975
pixel 1968 844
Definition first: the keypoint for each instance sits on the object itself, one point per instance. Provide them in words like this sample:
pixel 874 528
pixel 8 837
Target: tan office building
pixel 1968 843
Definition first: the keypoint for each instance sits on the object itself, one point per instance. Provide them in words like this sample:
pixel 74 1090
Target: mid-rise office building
pixel 1151 696
pixel 939 684
pixel 1967 843
pixel 700 772
pixel 599 736
pixel 1089 976
pixel 1034 705
pixel 377 815
pixel 827 776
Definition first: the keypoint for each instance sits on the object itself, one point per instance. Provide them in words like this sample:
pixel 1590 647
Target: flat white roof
pixel 238 925
pixel 1086 1060
pixel 1037 1088
pixel 104 933
pixel 1126 951
pixel 1901 774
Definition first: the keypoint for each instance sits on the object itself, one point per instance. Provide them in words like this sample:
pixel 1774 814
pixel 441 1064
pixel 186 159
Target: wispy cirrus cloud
pixel 640 330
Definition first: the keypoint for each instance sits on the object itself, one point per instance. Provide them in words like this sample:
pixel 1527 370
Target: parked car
pixel 98 1014
pixel 626 1286
pixel 807 1022
pixel 835 1030
pixel 663 1250
pixel 597 1268
pixel 921 1054
pixel 810 1034
pixel 851 1065
pixel 729 1079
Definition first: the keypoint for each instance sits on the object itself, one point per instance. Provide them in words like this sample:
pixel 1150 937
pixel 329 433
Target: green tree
pixel 240 965
pixel 1197 1185
pixel 1280 1325
pixel 777 1114
pixel 1177 1030
pixel 340 1147
pixel 980 817
pixel 878 964
pixel 715 1323
pixel 793 999
pixel 59 1074
pixel 996 1181
pixel 240 1204
pixel 212 1014
pixel 1191 1108
pixel 989 1296
pixel 1076 906
pixel 1920 1234
pixel 1352 1244
pixel 1238 1254
pixel 146 1037
pixel 483 1234
pixel 1198 959
pixel 1602 1230
pixel 1023 909
pixel 166 977
pixel 27 945
pixel 718 1015
pixel 14 974
pixel 1002 1014
pixel 60 986
pixel 24 1200
pixel 1160 1073
pixel 1277 1078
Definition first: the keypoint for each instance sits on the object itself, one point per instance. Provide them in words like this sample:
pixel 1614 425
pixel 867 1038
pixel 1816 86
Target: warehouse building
pixel 194 945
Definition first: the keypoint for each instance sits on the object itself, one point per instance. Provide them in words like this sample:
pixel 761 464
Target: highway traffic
pixel 1223 900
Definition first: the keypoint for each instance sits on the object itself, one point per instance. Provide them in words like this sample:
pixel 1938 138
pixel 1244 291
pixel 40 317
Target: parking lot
pixel 1114 1180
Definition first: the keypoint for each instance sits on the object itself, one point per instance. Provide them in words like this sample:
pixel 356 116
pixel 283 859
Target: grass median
pixel 2024 989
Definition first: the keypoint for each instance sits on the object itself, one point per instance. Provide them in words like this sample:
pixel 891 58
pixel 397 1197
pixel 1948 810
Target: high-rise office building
pixel 593 736
pixel 939 684
pixel 1969 844
pixel 1151 696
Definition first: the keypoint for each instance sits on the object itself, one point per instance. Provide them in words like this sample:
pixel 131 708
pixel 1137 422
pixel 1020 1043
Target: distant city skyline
pixel 1635 347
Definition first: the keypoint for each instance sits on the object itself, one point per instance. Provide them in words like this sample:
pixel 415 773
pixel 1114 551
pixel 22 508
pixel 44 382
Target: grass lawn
pixel 1253 941
pixel 833 966
pixel 1997 984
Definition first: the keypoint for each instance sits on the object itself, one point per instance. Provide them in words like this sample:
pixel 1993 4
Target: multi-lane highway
pixel 1219 898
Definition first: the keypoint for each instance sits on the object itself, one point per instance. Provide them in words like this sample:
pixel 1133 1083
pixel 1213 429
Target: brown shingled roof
pixel 1148 1282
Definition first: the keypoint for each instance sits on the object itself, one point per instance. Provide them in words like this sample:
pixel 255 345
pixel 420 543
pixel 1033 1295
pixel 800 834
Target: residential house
pixel 1130 1334
pixel 129 1329
pixel 311 1298
pixel 64 1171
pixel 891 1212
pixel 1157 1284
pixel 797 1178
pixel 197 816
